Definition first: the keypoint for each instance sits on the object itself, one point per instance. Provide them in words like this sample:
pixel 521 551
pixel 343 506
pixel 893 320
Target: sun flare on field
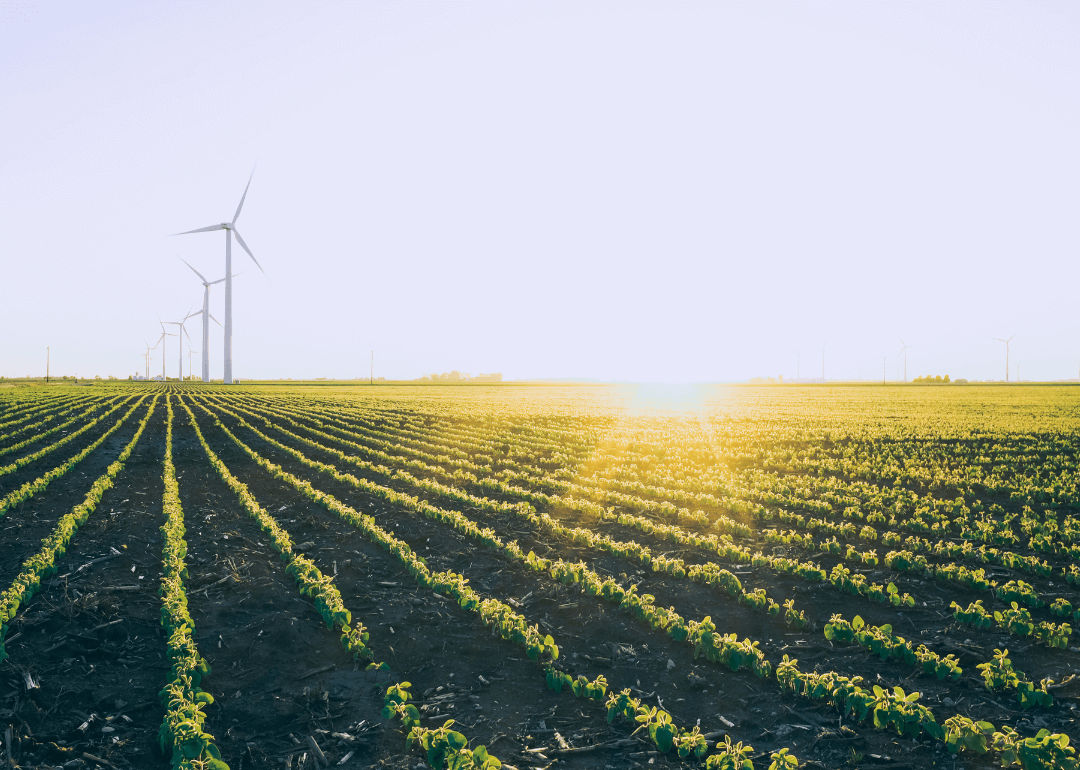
pixel 667 397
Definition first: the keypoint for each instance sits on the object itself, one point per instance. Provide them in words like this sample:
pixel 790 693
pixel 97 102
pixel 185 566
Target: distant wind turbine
pixel 903 350
pixel 181 332
pixel 230 231
pixel 162 341
pixel 1006 341
pixel 149 347
pixel 206 317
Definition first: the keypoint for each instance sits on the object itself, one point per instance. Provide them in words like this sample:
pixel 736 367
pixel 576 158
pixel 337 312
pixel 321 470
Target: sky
pixel 643 191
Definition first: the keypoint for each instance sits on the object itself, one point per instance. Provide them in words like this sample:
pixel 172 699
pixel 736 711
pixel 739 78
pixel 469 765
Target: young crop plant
pixel 973 615
pixel 444 748
pixel 881 641
pixel 1044 751
pixel 999 674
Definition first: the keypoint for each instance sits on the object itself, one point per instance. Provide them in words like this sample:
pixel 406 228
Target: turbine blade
pixel 244 246
pixel 219 280
pixel 209 229
pixel 236 216
pixel 201 276
pixel 214 319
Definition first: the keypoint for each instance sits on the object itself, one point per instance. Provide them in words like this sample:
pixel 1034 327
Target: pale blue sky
pixel 628 190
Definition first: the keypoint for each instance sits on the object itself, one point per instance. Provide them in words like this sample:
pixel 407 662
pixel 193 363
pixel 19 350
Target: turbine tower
pixel 1006 341
pixel 180 333
pixel 230 231
pixel 903 350
pixel 149 347
pixel 206 315
pixel 161 340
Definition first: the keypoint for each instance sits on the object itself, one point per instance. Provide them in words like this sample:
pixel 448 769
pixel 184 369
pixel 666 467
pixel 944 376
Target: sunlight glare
pixel 667 397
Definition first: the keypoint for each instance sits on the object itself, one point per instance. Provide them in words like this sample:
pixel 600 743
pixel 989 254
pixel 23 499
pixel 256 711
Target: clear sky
pixel 614 190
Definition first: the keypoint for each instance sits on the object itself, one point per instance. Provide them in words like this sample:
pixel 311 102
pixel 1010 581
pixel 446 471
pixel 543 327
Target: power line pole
pixel 48 357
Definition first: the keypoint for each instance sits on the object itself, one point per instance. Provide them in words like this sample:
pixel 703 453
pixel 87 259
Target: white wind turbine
pixel 161 341
pixel 1006 341
pixel 206 316
pixel 904 349
pixel 230 231
pixel 149 347
pixel 181 332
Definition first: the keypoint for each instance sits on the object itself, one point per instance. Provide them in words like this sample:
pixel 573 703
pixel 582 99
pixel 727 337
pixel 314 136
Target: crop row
pixel 31 488
pixel 42 564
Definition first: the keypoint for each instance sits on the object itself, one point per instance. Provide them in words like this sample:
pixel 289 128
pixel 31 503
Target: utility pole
pixel 371 371
pixel 48 356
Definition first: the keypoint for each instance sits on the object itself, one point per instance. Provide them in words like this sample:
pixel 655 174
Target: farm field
pixel 306 576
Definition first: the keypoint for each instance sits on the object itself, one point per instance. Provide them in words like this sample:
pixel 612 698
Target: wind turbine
pixel 205 313
pixel 149 347
pixel 189 354
pixel 230 231
pixel 181 332
pixel 1006 341
pixel 903 350
pixel 161 340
